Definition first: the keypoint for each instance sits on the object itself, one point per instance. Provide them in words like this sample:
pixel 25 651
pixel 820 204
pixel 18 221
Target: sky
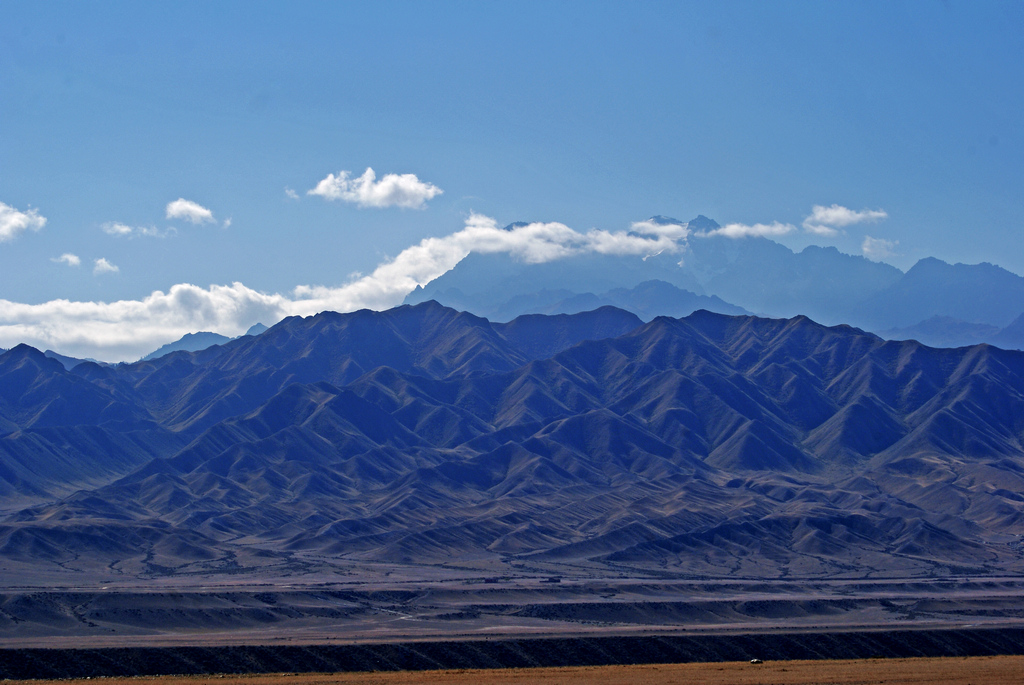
pixel 173 167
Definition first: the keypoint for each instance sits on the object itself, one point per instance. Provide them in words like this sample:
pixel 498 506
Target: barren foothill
pixel 951 671
pixel 586 446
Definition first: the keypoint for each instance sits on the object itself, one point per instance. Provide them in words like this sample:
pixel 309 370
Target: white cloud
pixel 394 190
pixel 102 266
pixel 189 211
pixel 68 258
pixel 115 228
pixel 13 221
pixel 672 231
pixel 735 231
pixel 291 194
pixel 878 248
pixel 131 328
pixel 155 232
pixel 227 222
pixel 821 229
pixel 119 229
pixel 828 220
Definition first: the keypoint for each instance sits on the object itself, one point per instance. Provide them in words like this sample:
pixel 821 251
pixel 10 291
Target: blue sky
pixel 592 115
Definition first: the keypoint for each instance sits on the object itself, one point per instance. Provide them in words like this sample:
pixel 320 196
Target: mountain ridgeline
pixel 711 444
pixel 939 304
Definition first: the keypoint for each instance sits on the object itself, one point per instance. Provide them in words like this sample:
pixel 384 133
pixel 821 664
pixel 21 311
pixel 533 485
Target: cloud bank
pixel 13 221
pixel 128 329
pixel 394 190
pixel 735 231
pixel 671 231
pixel 189 211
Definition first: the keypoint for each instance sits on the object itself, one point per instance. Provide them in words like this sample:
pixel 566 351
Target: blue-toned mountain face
pixel 711 444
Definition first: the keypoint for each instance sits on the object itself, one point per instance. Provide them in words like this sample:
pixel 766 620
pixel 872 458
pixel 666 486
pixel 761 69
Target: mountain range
pixel 423 436
pixel 934 302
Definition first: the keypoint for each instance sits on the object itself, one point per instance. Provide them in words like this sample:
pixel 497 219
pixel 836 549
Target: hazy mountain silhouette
pixel 647 300
pixel 194 342
pixel 190 342
pixel 256 329
pixel 755 274
pixel 710 444
pixel 485 282
pixel 946 331
pixel 1011 337
pixel 68 362
pixel 750 274
pixel 975 293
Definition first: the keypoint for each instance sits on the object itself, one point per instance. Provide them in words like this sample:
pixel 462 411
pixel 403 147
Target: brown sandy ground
pixel 939 671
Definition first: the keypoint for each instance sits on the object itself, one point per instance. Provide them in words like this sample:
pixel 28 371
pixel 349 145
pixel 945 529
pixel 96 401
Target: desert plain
pixel 409 605
pixel 937 671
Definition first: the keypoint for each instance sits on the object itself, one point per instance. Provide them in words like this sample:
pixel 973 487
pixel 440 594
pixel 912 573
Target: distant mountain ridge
pixel 712 444
pixel 194 342
pixel 647 300
pixel 190 342
pixel 68 362
pixel 977 293
pixel 751 275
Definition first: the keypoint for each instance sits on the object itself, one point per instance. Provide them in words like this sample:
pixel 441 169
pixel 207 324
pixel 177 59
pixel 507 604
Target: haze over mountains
pixel 592 443
pixel 934 302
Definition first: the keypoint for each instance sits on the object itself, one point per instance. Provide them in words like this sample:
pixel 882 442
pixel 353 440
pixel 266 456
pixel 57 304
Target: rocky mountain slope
pixel 709 445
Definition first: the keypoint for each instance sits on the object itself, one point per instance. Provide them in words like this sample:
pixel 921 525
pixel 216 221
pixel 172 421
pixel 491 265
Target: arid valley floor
pixel 938 671
pixel 406 605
